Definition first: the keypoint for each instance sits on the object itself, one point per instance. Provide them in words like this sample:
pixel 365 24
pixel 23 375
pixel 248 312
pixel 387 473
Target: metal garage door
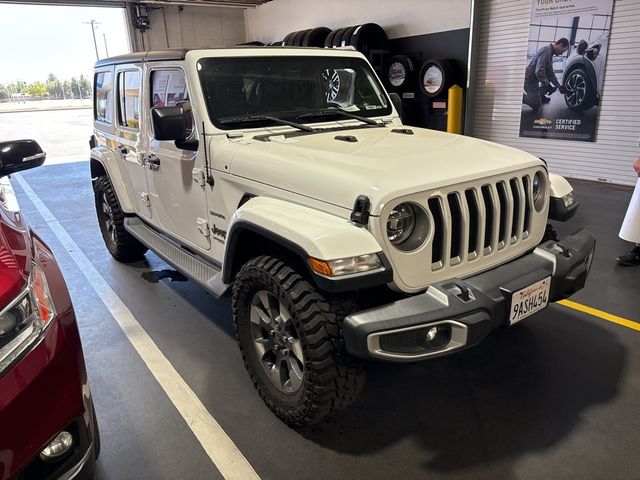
pixel 499 52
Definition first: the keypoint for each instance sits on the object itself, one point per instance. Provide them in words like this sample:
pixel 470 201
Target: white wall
pixel 501 46
pixel 192 27
pixel 271 21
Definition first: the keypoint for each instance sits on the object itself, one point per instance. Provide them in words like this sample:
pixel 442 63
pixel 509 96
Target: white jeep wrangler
pixel 285 177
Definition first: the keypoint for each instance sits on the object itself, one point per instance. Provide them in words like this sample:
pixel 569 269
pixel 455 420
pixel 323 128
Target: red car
pixel 48 428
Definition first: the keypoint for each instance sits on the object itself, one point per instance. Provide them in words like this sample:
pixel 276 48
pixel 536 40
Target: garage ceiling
pixel 122 3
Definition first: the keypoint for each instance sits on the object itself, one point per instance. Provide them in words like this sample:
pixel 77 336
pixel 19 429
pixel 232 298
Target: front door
pixel 176 182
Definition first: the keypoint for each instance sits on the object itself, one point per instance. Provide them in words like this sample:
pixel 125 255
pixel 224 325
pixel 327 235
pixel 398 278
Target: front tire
pixel 290 337
pixel 123 246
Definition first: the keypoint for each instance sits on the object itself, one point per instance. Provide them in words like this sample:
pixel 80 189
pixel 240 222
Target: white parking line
pixel 216 443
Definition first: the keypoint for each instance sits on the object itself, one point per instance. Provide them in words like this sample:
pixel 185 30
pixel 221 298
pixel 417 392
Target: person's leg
pixel 531 95
pixel 631 258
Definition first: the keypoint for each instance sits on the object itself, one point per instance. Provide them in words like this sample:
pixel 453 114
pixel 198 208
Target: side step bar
pixel 195 268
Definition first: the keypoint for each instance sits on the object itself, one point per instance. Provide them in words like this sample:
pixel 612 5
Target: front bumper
pixel 466 311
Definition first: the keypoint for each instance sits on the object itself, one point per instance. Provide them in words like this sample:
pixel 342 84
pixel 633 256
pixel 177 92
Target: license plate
pixel 529 300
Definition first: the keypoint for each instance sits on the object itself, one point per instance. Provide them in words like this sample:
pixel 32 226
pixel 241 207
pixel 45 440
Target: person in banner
pixel 630 230
pixel 539 78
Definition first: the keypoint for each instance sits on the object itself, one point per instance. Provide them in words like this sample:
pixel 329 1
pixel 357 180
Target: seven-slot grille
pixel 476 222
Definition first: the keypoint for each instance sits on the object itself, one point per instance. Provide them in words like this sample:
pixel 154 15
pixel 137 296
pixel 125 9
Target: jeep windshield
pixel 250 92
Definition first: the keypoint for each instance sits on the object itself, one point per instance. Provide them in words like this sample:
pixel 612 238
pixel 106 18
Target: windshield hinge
pixel 360 213
pixel 235 135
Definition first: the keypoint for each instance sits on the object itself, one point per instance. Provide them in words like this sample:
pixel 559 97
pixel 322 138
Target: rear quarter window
pixel 103 99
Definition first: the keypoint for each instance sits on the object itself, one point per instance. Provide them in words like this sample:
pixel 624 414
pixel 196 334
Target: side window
pixel 168 88
pixel 129 99
pixel 103 88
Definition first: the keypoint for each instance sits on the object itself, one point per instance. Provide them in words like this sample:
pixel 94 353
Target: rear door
pixel 130 139
pixel 175 175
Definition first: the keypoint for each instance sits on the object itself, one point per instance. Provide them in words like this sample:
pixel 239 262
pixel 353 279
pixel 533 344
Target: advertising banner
pixel 566 55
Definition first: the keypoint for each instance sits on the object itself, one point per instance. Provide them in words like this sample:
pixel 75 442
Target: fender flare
pixel 104 162
pixel 559 188
pixel 303 232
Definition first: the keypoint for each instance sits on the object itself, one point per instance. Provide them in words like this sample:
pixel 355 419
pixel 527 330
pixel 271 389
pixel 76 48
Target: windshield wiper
pixel 326 112
pixel 260 118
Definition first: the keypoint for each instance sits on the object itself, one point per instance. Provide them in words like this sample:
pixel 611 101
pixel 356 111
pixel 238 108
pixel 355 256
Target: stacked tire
pixel 364 38
pixel 313 37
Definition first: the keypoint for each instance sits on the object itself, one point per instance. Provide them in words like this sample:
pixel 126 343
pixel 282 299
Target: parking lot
pixel 63 134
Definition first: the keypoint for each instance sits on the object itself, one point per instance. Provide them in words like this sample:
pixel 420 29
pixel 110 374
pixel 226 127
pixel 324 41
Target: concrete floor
pixel 63 134
pixel 555 397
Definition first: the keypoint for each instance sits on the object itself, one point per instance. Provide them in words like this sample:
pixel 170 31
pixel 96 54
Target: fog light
pixel 432 333
pixel 58 446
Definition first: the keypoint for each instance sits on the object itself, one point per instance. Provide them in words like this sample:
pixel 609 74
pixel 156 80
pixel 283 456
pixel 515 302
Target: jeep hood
pixel 381 164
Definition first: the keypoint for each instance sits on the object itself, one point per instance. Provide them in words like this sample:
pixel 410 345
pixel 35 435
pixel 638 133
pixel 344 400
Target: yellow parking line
pixel 600 314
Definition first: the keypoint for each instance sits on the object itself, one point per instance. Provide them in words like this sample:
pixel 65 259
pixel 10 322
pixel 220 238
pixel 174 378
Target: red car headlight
pixel 24 320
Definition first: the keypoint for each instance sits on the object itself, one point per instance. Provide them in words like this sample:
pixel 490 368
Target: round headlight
pixel 539 187
pixel 401 223
pixel 537 183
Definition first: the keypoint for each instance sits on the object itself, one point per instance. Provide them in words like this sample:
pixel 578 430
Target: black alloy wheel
pixel 120 243
pixel 290 336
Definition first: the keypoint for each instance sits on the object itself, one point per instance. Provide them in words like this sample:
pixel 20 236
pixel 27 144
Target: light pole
pixel 93 24
pixel 104 37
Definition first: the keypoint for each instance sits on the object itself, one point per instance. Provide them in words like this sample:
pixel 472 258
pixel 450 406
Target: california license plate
pixel 530 300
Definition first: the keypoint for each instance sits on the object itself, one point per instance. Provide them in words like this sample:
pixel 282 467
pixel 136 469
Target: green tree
pixel 4 93
pixel 75 88
pixel 85 86
pixel 37 89
pixel 18 87
pixel 54 86
pixel 66 89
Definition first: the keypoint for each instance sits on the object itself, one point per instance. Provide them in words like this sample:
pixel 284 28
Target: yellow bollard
pixel 454 111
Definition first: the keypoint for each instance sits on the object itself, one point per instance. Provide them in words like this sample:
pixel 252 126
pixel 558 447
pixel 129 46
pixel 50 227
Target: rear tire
pixel 121 244
pixel 290 337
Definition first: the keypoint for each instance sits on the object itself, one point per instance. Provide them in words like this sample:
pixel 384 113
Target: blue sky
pixel 36 41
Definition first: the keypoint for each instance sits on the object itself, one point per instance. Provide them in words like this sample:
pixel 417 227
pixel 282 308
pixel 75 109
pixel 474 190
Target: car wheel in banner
pixel 580 94
pixel 399 73
pixel 436 76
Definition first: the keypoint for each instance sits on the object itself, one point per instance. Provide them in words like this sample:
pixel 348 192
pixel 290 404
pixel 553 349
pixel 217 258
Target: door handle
pixel 153 161
pixel 122 149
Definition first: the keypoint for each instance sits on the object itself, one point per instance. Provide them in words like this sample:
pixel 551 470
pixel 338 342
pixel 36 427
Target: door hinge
pixel 145 199
pixel 203 226
pixel 198 176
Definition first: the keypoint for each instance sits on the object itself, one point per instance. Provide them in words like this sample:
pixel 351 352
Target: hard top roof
pixel 149 56
pixel 180 53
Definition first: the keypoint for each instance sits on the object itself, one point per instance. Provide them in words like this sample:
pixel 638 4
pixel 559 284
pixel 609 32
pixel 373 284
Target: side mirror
pixel 20 155
pixel 397 104
pixel 582 47
pixel 169 123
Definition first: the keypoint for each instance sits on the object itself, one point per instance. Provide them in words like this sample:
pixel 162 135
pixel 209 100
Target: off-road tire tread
pixel 332 379
pixel 127 248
